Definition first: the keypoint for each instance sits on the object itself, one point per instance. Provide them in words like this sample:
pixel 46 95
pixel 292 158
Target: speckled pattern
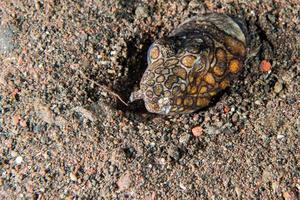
pixel 192 65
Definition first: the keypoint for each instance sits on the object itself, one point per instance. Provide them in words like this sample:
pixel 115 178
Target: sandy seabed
pixel 62 136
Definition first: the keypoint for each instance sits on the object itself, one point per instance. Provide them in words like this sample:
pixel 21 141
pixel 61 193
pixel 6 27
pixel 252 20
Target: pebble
pixel 279 137
pixel 235 117
pixel 142 11
pixel 182 186
pixel 278 87
pixel 13 154
pixel 275 186
pixel 226 109
pixel 211 130
pixel 184 139
pixel 272 18
pixel 16 119
pixel 258 102
pixel 196 117
pixel 197 131
pixel 238 191
pixel 69 198
pixel 162 161
pixel 6 39
pixel 124 181
pixel 44 112
pixel 194 4
pixel 265 66
pixel 73 176
pixel 186 126
pixel 287 196
pixel 19 160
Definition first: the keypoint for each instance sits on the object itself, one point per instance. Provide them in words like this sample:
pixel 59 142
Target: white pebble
pixel 73 176
pixel 182 186
pixel 280 136
pixel 19 160
pixel 13 154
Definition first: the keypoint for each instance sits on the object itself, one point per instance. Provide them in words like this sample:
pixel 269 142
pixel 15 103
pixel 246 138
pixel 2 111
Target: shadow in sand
pixel 134 66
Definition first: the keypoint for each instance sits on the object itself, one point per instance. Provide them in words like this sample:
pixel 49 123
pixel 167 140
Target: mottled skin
pixel 190 66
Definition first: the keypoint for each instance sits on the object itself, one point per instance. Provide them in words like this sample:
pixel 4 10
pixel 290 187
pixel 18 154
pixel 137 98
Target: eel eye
pixel 153 53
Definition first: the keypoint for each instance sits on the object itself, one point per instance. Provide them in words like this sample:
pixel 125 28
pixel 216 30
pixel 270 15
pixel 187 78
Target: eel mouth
pixel 136 95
